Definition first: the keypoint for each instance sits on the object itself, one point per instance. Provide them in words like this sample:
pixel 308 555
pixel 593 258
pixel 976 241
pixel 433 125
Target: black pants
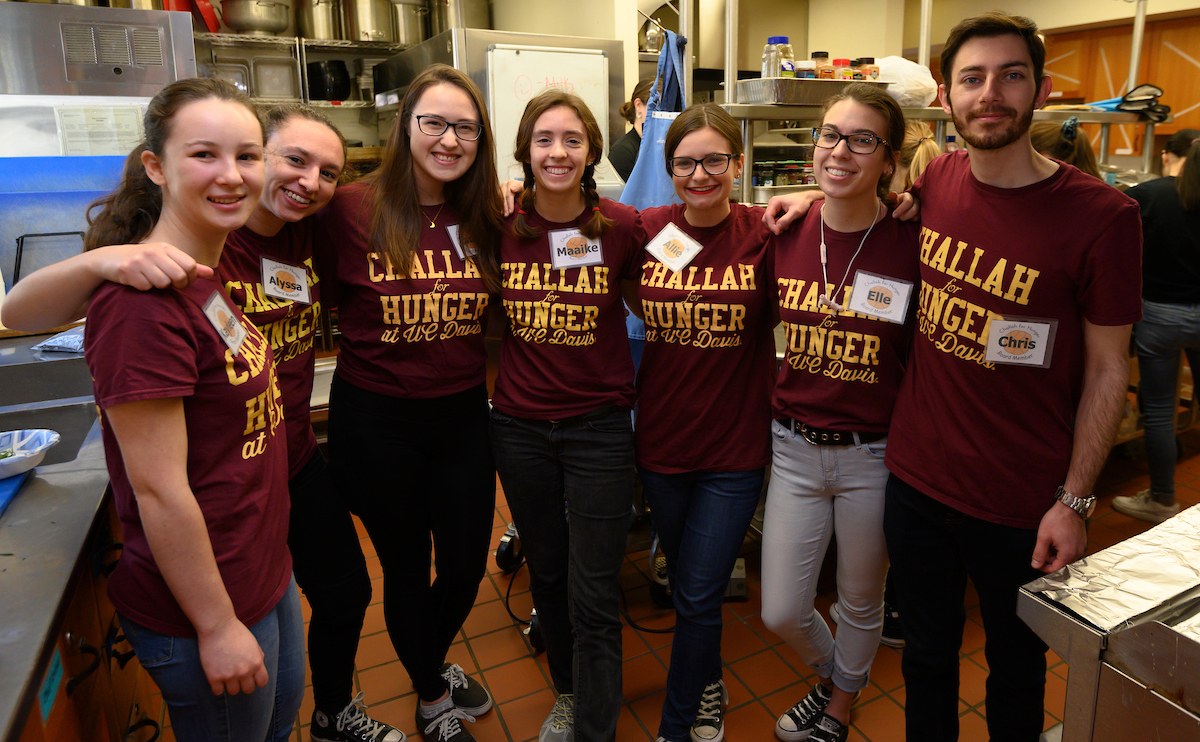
pixel 330 569
pixel 419 474
pixel 934 548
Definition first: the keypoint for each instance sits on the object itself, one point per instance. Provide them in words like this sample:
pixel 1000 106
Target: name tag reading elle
pixel 452 230
pixel 1024 341
pixel 225 321
pixel 285 281
pixel 880 297
pixel 674 248
pixel 570 249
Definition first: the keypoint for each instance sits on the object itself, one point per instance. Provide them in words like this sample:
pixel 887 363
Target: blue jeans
pixel 934 548
pixel 569 485
pixel 199 716
pixel 701 519
pixel 1165 330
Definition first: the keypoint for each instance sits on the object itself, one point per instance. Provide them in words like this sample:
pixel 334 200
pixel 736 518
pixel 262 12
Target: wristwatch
pixel 1083 506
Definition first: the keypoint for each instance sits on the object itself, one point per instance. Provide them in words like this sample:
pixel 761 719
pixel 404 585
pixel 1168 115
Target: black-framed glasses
pixel 435 126
pixel 859 143
pixel 714 164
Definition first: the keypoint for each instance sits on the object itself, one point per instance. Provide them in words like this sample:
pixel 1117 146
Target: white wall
pixel 856 29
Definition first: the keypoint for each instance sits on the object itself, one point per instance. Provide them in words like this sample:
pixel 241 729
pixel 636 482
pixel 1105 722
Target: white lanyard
pixel 824 300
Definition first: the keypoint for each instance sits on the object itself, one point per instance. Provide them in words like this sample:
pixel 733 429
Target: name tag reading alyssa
pixel 880 297
pixel 224 320
pixel 452 230
pixel 570 249
pixel 1024 341
pixel 674 248
pixel 285 281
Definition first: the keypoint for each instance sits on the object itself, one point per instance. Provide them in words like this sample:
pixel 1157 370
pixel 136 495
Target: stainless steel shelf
pixel 237 39
pixel 359 46
pixel 341 104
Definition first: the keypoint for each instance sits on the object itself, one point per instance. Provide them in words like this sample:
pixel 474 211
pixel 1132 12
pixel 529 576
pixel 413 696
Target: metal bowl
pixel 256 17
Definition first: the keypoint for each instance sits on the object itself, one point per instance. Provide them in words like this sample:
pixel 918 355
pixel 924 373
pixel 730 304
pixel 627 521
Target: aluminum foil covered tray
pixel 1117 587
pixel 791 91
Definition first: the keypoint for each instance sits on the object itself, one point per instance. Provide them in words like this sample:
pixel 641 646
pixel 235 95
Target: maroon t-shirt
pixel 159 345
pixel 566 352
pixel 289 326
pixel 841 371
pixel 416 336
pixel 704 385
pixel 993 440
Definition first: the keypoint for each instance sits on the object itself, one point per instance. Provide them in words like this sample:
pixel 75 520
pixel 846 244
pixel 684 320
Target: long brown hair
pixel 1063 142
pixel 396 219
pixel 641 92
pixel 597 224
pixel 877 100
pixel 132 209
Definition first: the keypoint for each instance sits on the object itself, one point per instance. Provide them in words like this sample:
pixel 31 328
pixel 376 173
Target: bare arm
pixel 154 446
pixel 783 210
pixel 908 206
pixel 629 292
pixel 60 293
pixel 510 191
pixel 1061 535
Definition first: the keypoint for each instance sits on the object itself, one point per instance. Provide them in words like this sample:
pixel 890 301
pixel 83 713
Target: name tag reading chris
pixel 285 281
pixel 674 248
pixel 225 321
pixel 1024 341
pixel 570 249
pixel 880 297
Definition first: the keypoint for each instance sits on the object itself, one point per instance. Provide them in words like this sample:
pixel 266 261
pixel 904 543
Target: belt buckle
pixel 807 434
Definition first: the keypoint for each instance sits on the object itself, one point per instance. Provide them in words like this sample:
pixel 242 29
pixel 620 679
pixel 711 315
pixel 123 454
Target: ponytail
pixel 598 223
pixel 1187 182
pixel 521 226
pixel 128 213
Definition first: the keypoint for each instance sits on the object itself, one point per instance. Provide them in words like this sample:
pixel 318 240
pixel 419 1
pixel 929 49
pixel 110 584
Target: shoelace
pixel 455 676
pixel 563 713
pixel 447 725
pixel 809 707
pixel 354 719
pixel 710 703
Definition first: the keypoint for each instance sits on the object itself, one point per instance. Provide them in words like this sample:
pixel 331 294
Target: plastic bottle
pixel 842 70
pixel 869 68
pixel 856 71
pixel 806 70
pixel 770 56
pixel 787 60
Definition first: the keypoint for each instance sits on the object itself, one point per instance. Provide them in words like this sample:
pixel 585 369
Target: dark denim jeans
pixel 1165 330
pixel 701 519
pixel 569 486
pixel 933 549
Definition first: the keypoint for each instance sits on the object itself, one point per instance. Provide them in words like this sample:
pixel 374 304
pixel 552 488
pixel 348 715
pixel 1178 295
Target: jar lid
pixel 777 39
pixel 822 55
pixel 867 60
pixel 842 62
pixel 806 64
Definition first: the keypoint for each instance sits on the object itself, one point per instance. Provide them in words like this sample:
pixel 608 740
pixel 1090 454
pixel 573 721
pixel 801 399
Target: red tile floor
pixel 764 676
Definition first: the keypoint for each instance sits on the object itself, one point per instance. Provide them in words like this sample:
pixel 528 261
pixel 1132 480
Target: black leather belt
pixel 820 437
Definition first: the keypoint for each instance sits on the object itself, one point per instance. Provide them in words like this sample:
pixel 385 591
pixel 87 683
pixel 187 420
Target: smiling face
pixel 705 196
pixel 438 160
pixel 843 174
pixel 304 161
pixel 992 92
pixel 210 168
pixel 559 152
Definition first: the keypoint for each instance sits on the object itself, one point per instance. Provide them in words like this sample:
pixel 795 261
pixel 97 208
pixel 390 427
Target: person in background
pixel 847 293
pixel 1066 143
pixel 1170 208
pixel 560 425
pixel 191 414
pixel 704 398
pixel 917 151
pixel 412 249
pixel 305 159
pixel 623 153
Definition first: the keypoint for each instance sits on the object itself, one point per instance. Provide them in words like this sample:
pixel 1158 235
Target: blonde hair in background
pixel 917 151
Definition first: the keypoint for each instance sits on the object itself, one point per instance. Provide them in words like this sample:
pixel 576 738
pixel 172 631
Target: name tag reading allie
pixel 674 248
pixel 285 281
pixel 880 297
pixel 570 249
pixel 1024 341
pixel 224 320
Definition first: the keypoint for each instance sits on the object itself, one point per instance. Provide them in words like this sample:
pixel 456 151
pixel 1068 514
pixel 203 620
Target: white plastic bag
pixel 911 84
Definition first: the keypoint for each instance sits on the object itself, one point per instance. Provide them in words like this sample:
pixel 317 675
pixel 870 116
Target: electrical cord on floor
pixel 512 577
pixel 636 625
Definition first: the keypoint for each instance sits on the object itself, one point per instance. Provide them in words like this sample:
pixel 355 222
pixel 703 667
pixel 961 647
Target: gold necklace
pixel 432 222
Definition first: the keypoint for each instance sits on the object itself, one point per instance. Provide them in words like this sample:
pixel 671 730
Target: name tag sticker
pixel 674 248
pixel 225 321
pixel 452 230
pixel 285 281
pixel 880 297
pixel 1023 341
pixel 570 249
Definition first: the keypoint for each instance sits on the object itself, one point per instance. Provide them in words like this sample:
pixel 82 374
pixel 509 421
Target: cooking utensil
pixel 320 19
pixel 369 20
pixel 412 21
pixel 328 80
pixel 256 17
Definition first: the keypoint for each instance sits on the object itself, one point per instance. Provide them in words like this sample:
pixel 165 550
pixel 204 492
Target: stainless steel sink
pixel 72 418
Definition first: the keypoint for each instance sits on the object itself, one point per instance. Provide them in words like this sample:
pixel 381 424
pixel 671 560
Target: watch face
pixel 1088 505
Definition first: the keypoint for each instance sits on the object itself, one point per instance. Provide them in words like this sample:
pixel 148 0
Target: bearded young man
pixel 1030 283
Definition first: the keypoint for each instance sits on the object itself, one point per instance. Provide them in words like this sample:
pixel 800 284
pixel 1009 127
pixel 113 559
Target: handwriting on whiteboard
pixel 525 87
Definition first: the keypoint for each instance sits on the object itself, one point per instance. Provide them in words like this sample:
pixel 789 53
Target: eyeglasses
pixel 860 144
pixel 436 126
pixel 714 164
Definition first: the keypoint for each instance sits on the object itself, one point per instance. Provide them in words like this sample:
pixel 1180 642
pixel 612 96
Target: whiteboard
pixel 518 73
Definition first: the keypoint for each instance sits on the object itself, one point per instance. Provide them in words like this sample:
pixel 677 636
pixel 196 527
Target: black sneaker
pixel 445 727
pixel 893 628
pixel 829 729
pixel 797 723
pixel 709 725
pixel 468 695
pixel 352 725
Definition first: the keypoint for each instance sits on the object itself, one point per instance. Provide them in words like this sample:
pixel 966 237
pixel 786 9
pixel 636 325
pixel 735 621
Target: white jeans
pixel 816 492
